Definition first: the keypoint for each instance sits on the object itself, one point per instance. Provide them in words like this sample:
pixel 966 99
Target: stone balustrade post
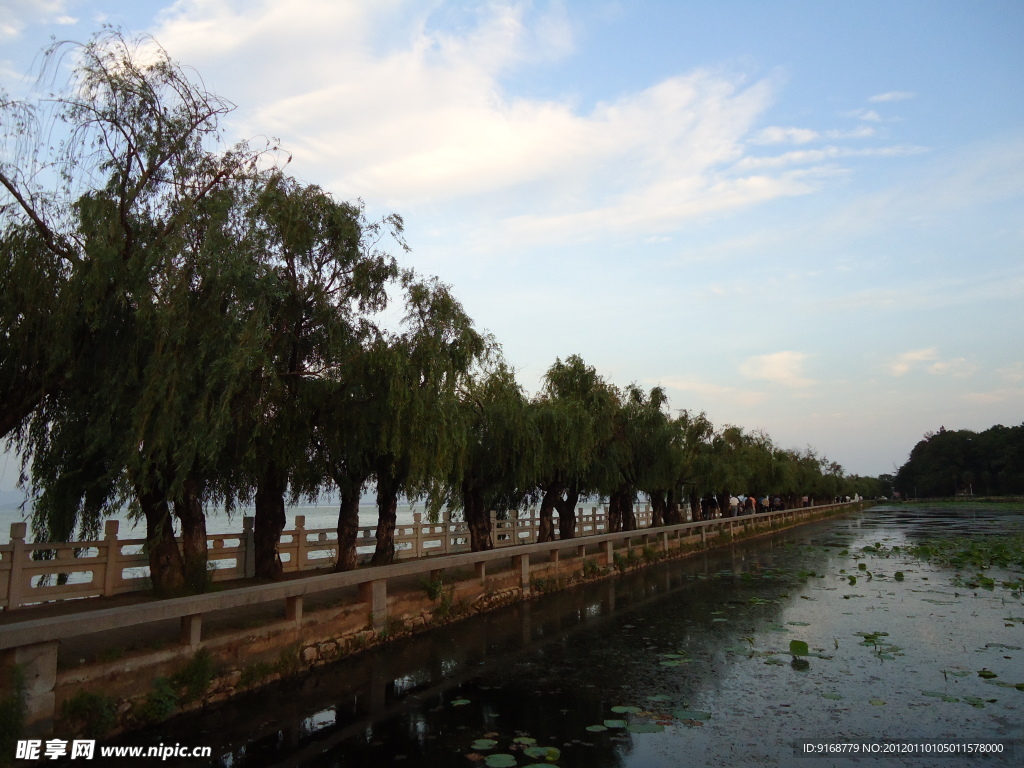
pixel 609 553
pixel 293 609
pixel 191 634
pixel 494 529
pixel 375 593
pixel 19 556
pixel 249 547
pixel 417 531
pixel 37 664
pixel 111 570
pixel 521 566
pixel 300 542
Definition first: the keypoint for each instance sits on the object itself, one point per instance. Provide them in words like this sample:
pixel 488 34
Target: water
pixel 700 648
pixel 219 522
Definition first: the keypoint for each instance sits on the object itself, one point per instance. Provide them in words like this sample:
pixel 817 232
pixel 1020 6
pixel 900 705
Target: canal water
pixel 835 633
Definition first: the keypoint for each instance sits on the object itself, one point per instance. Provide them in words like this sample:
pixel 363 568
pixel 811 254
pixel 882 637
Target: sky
pixel 796 216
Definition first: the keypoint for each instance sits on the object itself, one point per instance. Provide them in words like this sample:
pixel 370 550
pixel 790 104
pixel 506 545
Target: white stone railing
pixel 113 566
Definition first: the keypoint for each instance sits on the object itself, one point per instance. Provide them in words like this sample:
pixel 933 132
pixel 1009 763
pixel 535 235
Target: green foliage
pixel 289 660
pixel 433 587
pixel 192 680
pixel 954 462
pixel 12 711
pixel 591 569
pixel 160 703
pixel 89 714
pixel 255 673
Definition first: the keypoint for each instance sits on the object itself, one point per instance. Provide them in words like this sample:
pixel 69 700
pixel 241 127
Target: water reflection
pixel 551 668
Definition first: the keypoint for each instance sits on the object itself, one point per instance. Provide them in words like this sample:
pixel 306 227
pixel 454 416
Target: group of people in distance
pixel 741 505
pixel 748 505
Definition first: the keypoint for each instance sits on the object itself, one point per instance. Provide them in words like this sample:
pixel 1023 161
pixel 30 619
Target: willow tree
pixel 498 463
pixel 100 180
pixel 321 276
pixel 574 415
pixel 428 365
pixel 639 424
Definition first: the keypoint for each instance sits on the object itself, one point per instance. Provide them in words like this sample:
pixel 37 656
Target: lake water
pixel 685 663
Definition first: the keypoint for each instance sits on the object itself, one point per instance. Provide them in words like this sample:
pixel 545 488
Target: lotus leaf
pixel 546 753
pixel 645 728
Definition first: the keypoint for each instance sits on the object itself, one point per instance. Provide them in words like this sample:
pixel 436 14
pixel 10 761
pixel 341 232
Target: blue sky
pixel 803 217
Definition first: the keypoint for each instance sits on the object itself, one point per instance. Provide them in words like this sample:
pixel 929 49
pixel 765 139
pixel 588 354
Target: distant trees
pixel 952 462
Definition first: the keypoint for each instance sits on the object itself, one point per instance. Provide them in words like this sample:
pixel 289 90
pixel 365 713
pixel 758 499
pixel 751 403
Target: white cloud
pixel 1014 372
pixel 720 393
pixel 908 360
pixel 864 114
pixel 825 154
pixel 958 366
pixel 777 135
pixel 15 15
pixel 383 105
pixel 997 396
pixel 892 96
pixel 780 367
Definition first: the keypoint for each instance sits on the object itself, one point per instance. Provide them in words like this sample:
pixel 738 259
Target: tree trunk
pixel 723 504
pixel 695 511
pixel 546 531
pixel 657 509
pixel 348 531
pixel 567 512
pixel 387 517
pixel 270 521
pixel 166 569
pixel 626 510
pixel 188 508
pixel 478 519
pixel 614 514
pixel 673 515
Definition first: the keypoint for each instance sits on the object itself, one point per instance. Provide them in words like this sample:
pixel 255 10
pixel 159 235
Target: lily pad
pixel 877 702
pixel 500 760
pixel 775 662
pixel 623 710
pixel 524 740
pixel 484 744
pixel 659 697
pixel 615 723
pixel 798 623
pixel 830 695
pixel 898 575
pixel 986 674
pixel 461 702
pixel 545 753
pixel 798 648
pixel 597 728
pixel 645 728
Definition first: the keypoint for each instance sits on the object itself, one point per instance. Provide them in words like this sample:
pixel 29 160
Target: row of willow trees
pixel 185 328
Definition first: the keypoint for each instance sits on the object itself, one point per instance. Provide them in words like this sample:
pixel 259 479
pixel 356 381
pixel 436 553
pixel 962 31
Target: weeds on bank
pixel 12 712
pixel 87 713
